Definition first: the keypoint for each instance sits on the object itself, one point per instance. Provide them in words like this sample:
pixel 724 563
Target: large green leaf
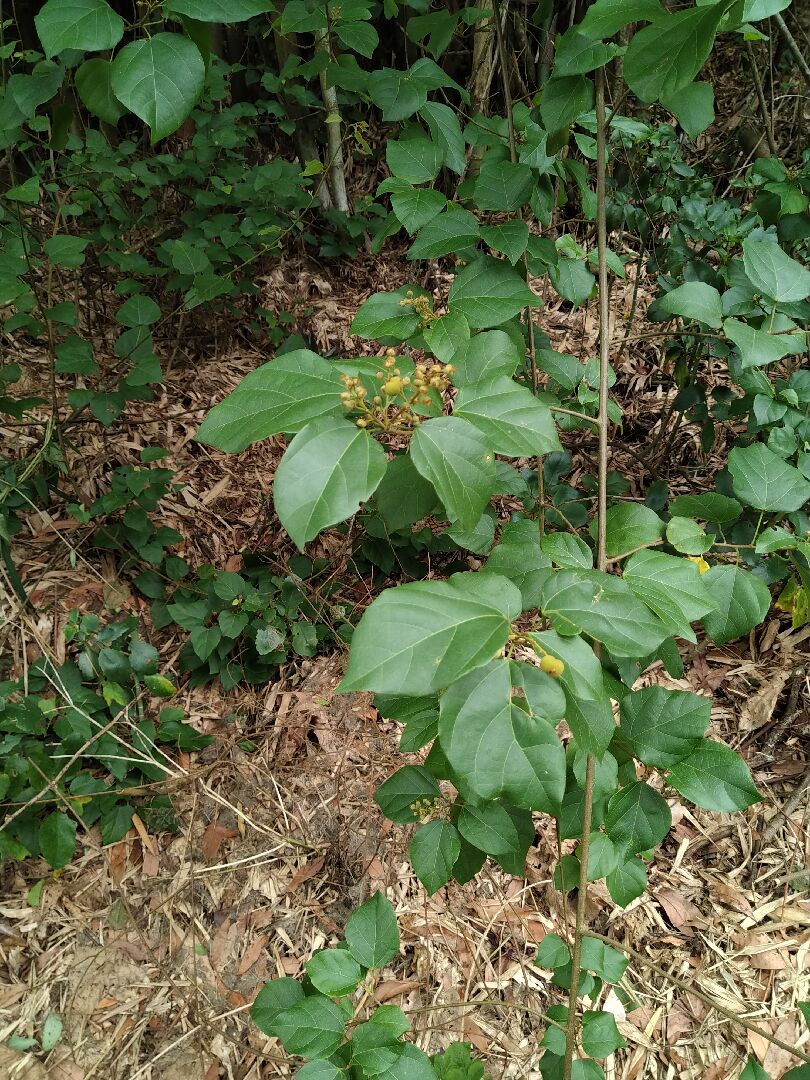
pixel 605 17
pixel 673 588
pixel 383 316
pixel 498 747
pixel 502 185
pixel 449 231
pixel 589 713
pixel 486 356
pixel 520 558
pixel 409 785
pixel 663 58
pixel 334 972
pixel 741 602
pixel 415 207
pixel 510 237
pixel 489 292
pixel 320 1070
pixel 434 851
pixel 627 882
pixel 459 462
pixel 629 526
pixel 759 347
pixel 159 79
pixel 577 54
pixel 714 777
pixel 490 828
pixel 88 25
pixel 283 395
pixel 774 273
pixel 515 423
pixel 329 468
pixel 567 550
pixel 57 839
pixel 600 1035
pixel 313 1027
pixel 637 818
pixel 416 160
pixel 711 506
pixel 404 496
pixel 372 934
pixel 766 481
pixel 272 1000
pixel 694 300
pixel 220 11
pixel 693 105
pixel 421 637
pixel 446 131
pixel 663 726
pixel 564 100
pixel 95 89
pixel 605 608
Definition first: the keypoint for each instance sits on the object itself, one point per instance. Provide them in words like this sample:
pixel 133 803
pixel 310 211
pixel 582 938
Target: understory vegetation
pixel 465 507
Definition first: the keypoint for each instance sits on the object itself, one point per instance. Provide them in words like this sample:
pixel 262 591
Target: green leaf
pixel 416 160
pixel 490 828
pixel 577 54
pixel 139 310
pixel 627 882
pixel 605 17
pixel 637 818
pixel 589 712
pixel 663 58
pixel 766 481
pixel 489 292
pixel 57 839
pixel 497 746
pixel 359 36
pixel 600 1036
pixel 383 316
pixel 320 1070
pixel 446 131
pixel 695 300
pixel 116 821
pixel 220 11
pixel 159 685
pixel 673 588
pixel 572 279
pixel 687 536
pixel 480 538
pixel 143 658
pixel 603 960
pixel 312 1028
pixel 514 422
pixel 273 999
pixel 446 336
pixel 434 850
pixel 563 100
pixel 567 550
pixel 75 356
pixel 421 637
pixel 660 726
pixel 693 106
pixel 159 79
pixel 511 237
pixel 334 972
pixel 714 777
pixel 404 496
pixel 774 273
pixel 741 603
pixel 89 25
pixel 708 507
pixel 26 192
pixel 415 207
pixel 485 357
pixel 754 1071
pixel 603 856
pixel 520 558
pixel 372 934
pixel 459 462
pixel 759 347
pixel 410 784
pixel 51 1032
pixel 629 526
pixel 204 639
pixel 552 952
pixel 283 395
pixel 502 185
pixel 605 608
pixel 189 258
pixel 94 86
pixel 449 231
pixel 329 468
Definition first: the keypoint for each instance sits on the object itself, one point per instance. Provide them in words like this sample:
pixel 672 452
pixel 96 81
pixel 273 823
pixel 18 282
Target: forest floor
pixel 151 950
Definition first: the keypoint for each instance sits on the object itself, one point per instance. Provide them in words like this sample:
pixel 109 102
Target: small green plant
pixel 85 742
pixel 328 1019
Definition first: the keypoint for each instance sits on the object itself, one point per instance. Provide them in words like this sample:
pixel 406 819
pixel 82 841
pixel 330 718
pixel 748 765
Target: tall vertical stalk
pixel 601 555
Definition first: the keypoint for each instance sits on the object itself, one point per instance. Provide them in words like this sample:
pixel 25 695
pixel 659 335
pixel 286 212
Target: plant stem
pixel 763 108
pixel 601 556
pixel 794 48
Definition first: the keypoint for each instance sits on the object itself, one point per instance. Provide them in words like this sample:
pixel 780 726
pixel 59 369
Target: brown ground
pixel 150 951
